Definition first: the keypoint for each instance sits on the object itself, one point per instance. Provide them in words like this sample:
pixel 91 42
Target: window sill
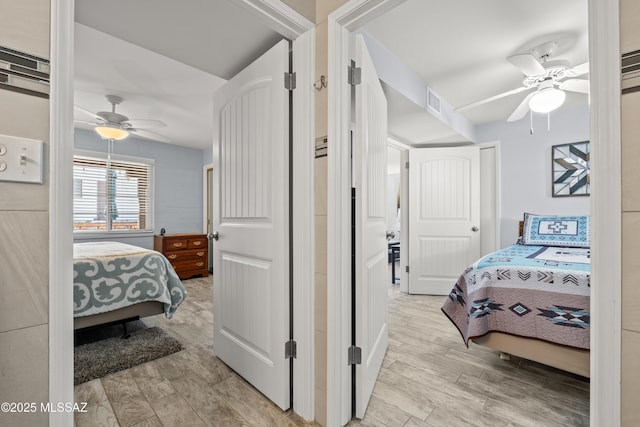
pixel 90 235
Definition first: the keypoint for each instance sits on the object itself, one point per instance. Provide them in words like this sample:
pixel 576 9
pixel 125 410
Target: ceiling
pixel 459 48
pixel 166 58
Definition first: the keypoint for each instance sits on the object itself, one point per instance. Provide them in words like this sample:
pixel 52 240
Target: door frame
pixel 205 197
pixel 495 145
pixel 404 210
pixel 341 23
pixel 606 212
pixel 207 200
pixel 290 24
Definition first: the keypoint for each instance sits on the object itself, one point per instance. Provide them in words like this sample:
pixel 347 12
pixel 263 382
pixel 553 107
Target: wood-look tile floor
pixel 429 378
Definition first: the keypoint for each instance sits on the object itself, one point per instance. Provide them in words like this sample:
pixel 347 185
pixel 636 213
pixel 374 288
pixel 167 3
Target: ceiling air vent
pixel 433 101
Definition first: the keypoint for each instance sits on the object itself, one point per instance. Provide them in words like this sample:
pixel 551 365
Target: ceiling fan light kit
pixel 111 132
pixel 551 78
pixel 115 126
pixel 547 99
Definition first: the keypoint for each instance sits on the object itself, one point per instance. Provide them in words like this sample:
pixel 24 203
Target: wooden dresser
pixel 188 253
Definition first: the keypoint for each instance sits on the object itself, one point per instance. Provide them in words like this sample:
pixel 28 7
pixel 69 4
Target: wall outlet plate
pixel 21 159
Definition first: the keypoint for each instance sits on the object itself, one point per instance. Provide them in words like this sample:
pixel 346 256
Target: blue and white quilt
pixel 532 291
pixel 111 275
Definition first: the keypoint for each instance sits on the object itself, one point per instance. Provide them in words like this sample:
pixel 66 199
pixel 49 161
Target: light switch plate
pixel 21 159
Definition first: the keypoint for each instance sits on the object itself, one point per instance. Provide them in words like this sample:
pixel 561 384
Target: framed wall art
pixel 570 164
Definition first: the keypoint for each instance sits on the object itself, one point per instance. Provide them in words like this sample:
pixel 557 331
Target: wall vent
pixel 25 73
pixel 433 101
pixel 630 70
pixel 631 62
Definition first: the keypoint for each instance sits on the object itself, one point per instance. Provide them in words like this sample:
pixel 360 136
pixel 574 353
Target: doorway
pixel 290 24
pixel 395 180
pixel 350 17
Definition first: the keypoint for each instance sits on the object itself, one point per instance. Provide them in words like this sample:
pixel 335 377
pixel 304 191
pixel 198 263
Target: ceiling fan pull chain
pixel 548 121
pixel 109 151
pixel 531 122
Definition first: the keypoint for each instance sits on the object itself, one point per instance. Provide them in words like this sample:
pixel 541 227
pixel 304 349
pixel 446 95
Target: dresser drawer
pixel 175 244
pixel 184 255
pixel 193 264
pixel 200 242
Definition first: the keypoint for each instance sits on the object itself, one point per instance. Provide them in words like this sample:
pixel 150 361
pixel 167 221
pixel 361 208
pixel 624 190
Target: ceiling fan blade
pixel 526 63
pixel 522 109
pixel 491 98
pixel 575 85
pixel 82 111
pixel 84 122
pixel 146 124
pixel 578 70
pixel 149 135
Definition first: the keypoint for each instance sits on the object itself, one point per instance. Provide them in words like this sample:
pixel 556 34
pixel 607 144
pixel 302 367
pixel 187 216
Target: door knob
pixel 215 236
pixel 474 228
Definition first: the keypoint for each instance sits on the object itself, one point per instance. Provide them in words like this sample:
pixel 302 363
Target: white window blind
pixel 111 196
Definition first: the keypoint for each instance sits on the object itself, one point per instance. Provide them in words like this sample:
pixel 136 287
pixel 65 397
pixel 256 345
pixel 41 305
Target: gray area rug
pixel 106 356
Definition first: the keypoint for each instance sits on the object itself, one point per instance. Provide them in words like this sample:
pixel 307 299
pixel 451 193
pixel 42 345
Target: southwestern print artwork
pixel 570 169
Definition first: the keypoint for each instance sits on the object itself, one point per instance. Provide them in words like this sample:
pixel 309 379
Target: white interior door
pixel 372 277
pixel 251 255
pixel 444 216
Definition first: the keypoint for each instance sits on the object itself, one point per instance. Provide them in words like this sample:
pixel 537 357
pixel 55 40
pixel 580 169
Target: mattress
pixel 531 291
pixel 111 275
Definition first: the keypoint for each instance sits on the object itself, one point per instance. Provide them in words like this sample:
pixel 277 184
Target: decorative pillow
pixel 555 230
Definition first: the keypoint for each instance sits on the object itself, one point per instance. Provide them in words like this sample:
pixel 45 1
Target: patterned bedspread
pixel 111 275
pixel 531 291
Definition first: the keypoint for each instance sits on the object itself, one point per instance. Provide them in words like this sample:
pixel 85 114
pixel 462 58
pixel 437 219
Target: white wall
pixel 525 166
pixel 207 155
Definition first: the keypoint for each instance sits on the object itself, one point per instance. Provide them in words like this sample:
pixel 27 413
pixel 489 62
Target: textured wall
pixel 24 219
pixel 630 129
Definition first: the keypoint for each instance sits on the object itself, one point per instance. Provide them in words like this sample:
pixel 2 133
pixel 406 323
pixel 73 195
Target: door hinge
pixel 290 349
pixel 406 165
pixel 290 81
pixel 406 268
pixel 355 75
pixel 354 354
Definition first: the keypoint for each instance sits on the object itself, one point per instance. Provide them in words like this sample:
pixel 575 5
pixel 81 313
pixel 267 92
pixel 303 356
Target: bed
pixel 531 299
pixel 117 282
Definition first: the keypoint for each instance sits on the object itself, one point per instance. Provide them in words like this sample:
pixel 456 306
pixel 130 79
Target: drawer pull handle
pixel 172 256
pixel 200 253
pixel 177 244
pixel 199 264
pixel 197 243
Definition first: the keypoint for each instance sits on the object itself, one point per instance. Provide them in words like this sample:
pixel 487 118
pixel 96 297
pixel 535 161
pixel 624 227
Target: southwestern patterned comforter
pixel 531 291
pixel 110 275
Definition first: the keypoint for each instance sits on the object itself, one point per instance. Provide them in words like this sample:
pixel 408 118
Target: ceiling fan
pixel 550 78
pixel 112 125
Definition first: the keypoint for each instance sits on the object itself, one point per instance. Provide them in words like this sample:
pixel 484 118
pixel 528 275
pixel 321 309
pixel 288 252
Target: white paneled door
pixel 444 216
pixel 372 276
pixel 251 219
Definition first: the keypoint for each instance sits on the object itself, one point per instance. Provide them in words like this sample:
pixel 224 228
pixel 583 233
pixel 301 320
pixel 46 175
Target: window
pixel 111 195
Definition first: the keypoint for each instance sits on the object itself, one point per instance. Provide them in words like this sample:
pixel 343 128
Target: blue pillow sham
pixel 556 230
